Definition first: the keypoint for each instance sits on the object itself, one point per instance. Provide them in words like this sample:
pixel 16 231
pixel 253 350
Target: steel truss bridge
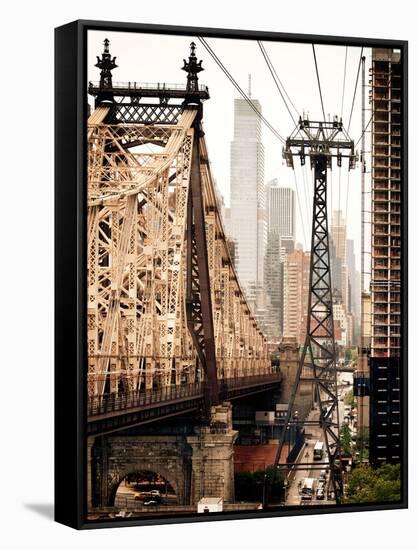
pixel 169 329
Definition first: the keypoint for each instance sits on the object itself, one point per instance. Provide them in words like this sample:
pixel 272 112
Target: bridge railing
pixel 142 398
pixel 160 86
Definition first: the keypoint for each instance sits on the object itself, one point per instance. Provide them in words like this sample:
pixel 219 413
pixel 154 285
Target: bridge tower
pixel 321 141
pixel 164 303
pixel 198 295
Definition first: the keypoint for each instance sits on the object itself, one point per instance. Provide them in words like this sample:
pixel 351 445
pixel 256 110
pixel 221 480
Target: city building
pixel 338 255
pixel 340 319
pixel 289 363
pixel 280 209
pixel 287 246
pixel 273 285
pixel 354 279
pixel 354 291
pixel 295 296
pixel 280 241
pixel 361 375
pixel 247 218
pixel 385 346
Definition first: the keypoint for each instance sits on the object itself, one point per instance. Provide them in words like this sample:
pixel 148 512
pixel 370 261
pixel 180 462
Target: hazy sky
pixel 158 58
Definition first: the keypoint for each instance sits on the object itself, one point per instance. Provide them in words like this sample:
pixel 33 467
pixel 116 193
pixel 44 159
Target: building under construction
pixel 385 344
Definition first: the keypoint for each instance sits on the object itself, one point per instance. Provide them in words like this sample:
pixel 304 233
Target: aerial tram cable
pixel 345 74
pixel 322 106
pixel 300 213
pixel 319 82
pixel 355 91
pixel 248 100
pixel 279 85
pixel 306 193
pixel 240 90
pixel 341 116
pixel 377 104
pixel 275 78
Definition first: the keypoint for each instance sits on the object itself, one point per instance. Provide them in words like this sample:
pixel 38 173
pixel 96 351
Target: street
pixel 314 434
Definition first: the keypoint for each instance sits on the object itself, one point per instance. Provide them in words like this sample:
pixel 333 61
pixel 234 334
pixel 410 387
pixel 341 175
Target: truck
pixel 307 488
pixel 318 451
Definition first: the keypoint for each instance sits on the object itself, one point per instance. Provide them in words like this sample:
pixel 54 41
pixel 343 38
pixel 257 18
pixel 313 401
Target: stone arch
pixel 144 467
pixel 168 456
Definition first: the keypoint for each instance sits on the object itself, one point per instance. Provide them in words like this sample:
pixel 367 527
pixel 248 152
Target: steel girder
pixel 143 182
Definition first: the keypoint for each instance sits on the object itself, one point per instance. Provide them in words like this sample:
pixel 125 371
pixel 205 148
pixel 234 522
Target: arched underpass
pixel 144 488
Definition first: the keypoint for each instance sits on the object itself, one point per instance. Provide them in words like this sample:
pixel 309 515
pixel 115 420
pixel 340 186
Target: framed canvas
pixel 231 274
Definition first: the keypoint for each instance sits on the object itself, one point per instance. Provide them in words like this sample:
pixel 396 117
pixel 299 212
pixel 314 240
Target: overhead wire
pixel 275 78
pixel 377 104
pixel 279 85
pixel 240 90
pixel 251 104
pixel 322 105
pixel 319 81
pixel 283 86
pixel 348 129
pixel 300 210
pixel 306 193
pixel 345 74
pixel 355 91
pixel 244 95
pixel 341 116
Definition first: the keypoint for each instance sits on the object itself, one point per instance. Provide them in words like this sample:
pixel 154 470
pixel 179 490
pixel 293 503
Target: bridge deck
pixel 112 413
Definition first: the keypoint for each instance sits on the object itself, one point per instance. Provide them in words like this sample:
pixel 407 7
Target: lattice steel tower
pixel 321 141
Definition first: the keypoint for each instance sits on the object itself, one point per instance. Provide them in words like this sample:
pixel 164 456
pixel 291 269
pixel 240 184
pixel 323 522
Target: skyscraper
pixel 351 269
pixel 280 209
pixel 296 290
pixel 385 365
pixel 248 217
pixel 339 255
pixel 353 277
pixel 353 287
pixel 280 240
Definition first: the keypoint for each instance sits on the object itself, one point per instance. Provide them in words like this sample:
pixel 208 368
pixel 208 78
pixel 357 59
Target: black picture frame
pixel 70 266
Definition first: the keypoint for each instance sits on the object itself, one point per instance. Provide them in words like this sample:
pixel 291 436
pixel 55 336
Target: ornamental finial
pixel 106 64
pixel 192 67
